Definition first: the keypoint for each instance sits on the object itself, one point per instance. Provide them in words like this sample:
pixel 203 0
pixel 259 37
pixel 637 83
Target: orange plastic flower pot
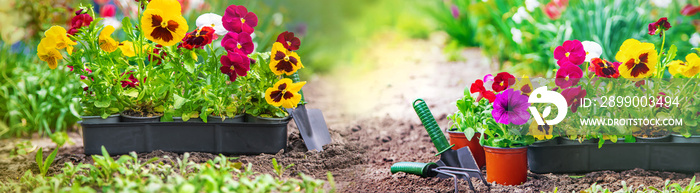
pixel 461 141
pixel 506 166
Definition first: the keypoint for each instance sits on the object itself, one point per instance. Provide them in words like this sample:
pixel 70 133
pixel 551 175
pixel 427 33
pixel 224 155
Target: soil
pixel 140 114
pixel 372 126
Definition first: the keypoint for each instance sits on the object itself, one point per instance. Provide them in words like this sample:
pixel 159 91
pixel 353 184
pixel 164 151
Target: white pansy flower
pixel 695 40
pixel 531 5
pixel 517 35
pixel 111 21
pixel 211 20
pixel 593 50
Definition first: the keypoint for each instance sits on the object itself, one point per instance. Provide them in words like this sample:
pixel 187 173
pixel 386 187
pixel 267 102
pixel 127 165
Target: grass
pixel 129 174
pixel 34 98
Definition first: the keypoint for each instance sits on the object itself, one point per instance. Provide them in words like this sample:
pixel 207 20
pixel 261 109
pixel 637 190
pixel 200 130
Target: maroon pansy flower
pixel 289 41
pixel 661 25
pixel 573 97
pixel 235 64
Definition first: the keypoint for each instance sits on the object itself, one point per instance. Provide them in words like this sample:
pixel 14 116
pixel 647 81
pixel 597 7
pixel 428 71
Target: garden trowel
pixel 310 122
pixel 460 158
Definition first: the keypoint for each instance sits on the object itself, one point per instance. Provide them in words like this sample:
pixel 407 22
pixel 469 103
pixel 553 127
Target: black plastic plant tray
pixel 180 137
pixel 581 158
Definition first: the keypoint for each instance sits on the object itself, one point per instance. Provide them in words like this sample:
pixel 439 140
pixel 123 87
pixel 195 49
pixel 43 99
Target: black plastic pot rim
pixel 133 117
pixel 652 138
pixel 97 116
pixel 679 135
pixel 218 117
pixel 272 119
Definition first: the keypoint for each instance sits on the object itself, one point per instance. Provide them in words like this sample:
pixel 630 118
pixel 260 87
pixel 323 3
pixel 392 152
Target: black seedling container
pixel 582 158
pixel 180 137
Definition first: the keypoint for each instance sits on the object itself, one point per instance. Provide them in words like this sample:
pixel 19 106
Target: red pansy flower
pixel 502 81
pixel 198 38
pixel 604 68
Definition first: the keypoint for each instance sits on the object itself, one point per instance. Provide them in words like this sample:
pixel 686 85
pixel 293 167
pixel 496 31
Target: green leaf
pixel 189 66
pixel 49 161
pixel 179 101
pixel 102 103
pixel 132 92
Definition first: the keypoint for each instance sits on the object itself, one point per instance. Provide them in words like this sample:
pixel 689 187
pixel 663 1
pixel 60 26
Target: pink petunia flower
pixel 571 51
pixel 238 19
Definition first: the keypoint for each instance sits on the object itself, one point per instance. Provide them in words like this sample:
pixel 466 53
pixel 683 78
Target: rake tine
pixel 465 174
pixel 468 170
pixel 453 177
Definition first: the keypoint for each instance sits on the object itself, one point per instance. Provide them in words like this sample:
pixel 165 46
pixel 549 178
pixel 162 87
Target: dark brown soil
pixel 373 126
pixel 140 113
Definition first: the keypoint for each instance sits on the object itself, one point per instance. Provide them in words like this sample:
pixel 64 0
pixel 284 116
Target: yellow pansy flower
pixel 284 93
pixel 107 43
pixel 688 69
pixel 60 36
pixel 127 48
pixel 541 132
pixel 48 52
pixel 283 61
pixel 162 22
pixel 638 59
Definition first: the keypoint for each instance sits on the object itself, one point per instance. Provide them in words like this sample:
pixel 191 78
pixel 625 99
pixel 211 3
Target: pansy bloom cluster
pixel 158 67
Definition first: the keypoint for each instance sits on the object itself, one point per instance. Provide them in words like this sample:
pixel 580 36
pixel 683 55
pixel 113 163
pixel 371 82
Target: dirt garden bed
pixel 366 144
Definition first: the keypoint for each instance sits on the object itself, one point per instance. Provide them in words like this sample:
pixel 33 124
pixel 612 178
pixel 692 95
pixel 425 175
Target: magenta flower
pixel 132 81
pixel 573 97
pixel 238 41
pixel 455 11
pixel 571 51
pixel 511 107
pixel 238 19
pixel 235 64
pixel 568 75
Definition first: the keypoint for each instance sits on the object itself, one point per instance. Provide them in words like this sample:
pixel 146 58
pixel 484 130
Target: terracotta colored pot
pixel 461 141
pixel 506 166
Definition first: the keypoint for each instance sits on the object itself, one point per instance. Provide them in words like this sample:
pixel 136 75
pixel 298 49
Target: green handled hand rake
pixel 453 163
pixel 432 169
